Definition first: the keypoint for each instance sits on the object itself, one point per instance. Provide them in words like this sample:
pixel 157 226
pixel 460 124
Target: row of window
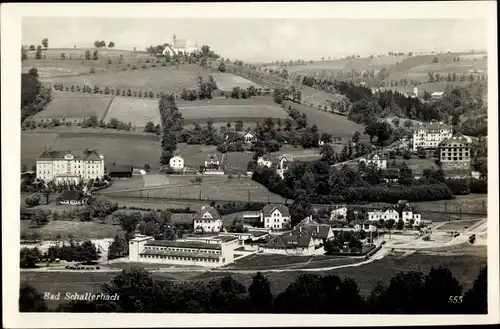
pixel 183 249
pixel 209 260
pixel 455 159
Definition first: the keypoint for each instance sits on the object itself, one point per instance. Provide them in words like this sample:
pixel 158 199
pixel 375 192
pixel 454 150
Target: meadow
pixel 75 108
pixel 226 82
pixel 120 148
pixel 71 229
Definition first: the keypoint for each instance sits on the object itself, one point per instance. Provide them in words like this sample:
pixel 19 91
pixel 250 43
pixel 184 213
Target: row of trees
pixel 102 44
pixel 85 252
pixel 34 96
pixel 172 123
pixel 107 91
pixel 436 292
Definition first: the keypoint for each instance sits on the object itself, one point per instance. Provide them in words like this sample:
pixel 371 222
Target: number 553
pixel 455 299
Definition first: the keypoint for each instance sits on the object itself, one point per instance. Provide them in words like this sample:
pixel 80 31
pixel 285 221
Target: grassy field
pixel 300 154
pixel 226 82
pixel 79 230
pixel 75 107
pixel 237 161
pixel 211 188
pixel 335 124
pixel 158 79
pixel 120 148
pixel 137 111
pixel 464 268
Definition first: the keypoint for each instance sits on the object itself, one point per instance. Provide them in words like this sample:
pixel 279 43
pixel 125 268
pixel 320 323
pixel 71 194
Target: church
pixel 180 46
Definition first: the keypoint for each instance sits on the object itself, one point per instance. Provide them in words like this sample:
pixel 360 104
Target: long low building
pixel 208 252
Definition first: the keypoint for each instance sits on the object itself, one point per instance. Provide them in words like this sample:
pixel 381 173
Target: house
pixel 385 214
pixel 379 160
pixel 249 137
pixel 208 220
pixel 121 171
pixel 437 95
pixel 411 215
pixel 429 136
pixel 73 198
pixel 339 212
pixel 264 161
pixel 283 164
pixel 318 232
pixel 69 166
pixel 212 162
pixel 180 46
pixel 177 163
pixel 275 216
pixel 455 153
pixel 288 244
pixel 211 252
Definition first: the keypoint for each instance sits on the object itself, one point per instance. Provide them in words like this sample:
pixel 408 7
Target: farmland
pixel 75 229
pixel 211 188
pixel 120 148
pixel 75 108
pixel 226 82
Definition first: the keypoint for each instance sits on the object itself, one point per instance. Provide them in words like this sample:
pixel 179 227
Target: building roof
pixel 83 155
pixel 121 168
pixel 183 244
pixel 264 158
pixel 287 157
pixel 211 210
pixel 68 195
pixel 212 157
pixel 199 255
pixel 372 155
pixel 269 208
pixel 289 241
pixel 461 139
pixel 438 93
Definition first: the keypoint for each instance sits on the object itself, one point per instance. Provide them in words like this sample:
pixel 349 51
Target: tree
pixel 30 300
pixel 95 55
pixel 400 225
pixel 111 44
pixel 222 66
pixel 355 137
pixel 260 294
pixel 118 248
pixel 45 43
pixel 147 167
pixel 87 55
pixel 149 127
pixel 407 154
pixel 29 257
pixel 439 286
pixel 24 55
pixel 476 298
pixel 32 200
pixel 389 224
pixel 38 54
pixel 24 168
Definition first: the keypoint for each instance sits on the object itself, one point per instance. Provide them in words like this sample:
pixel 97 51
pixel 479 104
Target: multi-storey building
pixel 377 159
pixel 275 216
pixel 264 161
pixel 208 220
pixel 455 153
pixel 431 135
pixel 177 163
pixel 207 252
pixel 385 214
pixel 69 166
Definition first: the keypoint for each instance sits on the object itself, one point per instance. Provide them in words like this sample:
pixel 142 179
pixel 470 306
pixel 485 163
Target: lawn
pixel 267 261
pixel 137 111
pixel 75 107
pixel 236 162
pixel 79 230
pixel 300 154
pixel 226 82
pixel 458 226
pixel 211 188
pixel 244 112
pixel 195 155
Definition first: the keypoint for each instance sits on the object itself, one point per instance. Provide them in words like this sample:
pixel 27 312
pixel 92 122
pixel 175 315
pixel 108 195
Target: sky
pixel 265 39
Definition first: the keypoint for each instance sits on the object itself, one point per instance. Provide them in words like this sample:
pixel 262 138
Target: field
pixel 363 275
pixel 335 124
pixel 226 82
pixel 211 188
pixel 75 107
pixel 139 111
pixel 120 148
pixel 76 229
pixel 301 154
pixel 237 162
pixel 159 79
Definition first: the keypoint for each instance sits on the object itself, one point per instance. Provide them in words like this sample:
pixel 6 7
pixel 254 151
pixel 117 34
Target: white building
pixel 408 215
pixel 208 220
pixel 437 95
pixel 206 252
pixel 180 46
pixel 177 163
pixel 339 212
pixel 283 164
pixel 212 162
pixel 275 216
pixel 429 136
pixel 377 159
pixel 69 166
pixel 384 214
pixel 249 137
pixel 264 161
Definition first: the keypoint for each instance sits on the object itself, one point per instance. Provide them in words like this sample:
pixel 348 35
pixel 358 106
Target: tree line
pixel 34 96
pixel 411 292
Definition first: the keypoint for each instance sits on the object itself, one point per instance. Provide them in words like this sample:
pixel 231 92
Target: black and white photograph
pixel 269 159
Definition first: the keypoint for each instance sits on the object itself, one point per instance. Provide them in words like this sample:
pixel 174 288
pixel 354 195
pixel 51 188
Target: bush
pixel 458 186
pixel 478 186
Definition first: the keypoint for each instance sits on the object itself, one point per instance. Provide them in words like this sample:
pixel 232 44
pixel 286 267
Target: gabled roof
pixel 212 157
pixel 84 155
pixel 457 139
pixel 315 231
pixel 211 210
pixel 269 208
pixel 264 158
pixel 289 241
pixel 371 156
